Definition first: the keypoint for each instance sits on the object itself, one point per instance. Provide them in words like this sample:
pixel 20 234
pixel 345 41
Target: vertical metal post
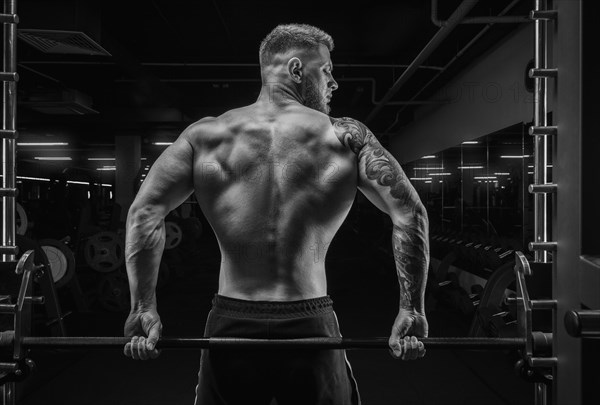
pixel 566 267
pixel 9 115
pixel 9 118
pixel 540 175
pixel 8 393
pixel 541 397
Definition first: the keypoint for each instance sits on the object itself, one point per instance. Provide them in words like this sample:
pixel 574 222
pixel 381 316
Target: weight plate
pixel 174 235
pixel 21 220
pixel 105 252
pixel 57 261
pixel 61 260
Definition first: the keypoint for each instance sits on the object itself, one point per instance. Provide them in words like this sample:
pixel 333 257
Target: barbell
pixel 315 343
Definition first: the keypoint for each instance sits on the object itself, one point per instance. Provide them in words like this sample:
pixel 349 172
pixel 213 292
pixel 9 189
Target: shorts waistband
pixel 272 309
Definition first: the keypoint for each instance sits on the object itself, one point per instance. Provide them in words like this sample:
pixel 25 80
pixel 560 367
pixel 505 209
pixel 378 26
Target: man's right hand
pixel 145 328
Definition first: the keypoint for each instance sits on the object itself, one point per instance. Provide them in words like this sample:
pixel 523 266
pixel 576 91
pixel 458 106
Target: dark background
pixel 169 63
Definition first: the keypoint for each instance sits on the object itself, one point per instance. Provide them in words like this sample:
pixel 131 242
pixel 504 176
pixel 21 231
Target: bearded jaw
pixel 313 98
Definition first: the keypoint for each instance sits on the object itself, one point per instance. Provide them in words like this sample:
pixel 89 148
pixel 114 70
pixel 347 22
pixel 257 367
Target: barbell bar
pixel 448 343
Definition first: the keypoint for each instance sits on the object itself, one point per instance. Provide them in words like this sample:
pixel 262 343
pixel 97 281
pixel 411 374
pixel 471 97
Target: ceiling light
pixel 420 178
pixel 428 168
pixel 514 156
pixel 428 157
pixel 470 167
pixel 42 144
pixel 485 178
pixel 162 143
pixel 52 158
pixel 438 174
pixel 32 178
pixel 470 142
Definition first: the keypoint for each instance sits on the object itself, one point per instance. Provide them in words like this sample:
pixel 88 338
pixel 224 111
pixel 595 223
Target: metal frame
pixel 492 20
pixel 541 189
pixel 540 131
pixel 478 20
pixel 459 14
pixel 8 249
pixel 9 76
pixel 566 36
pixel 566 135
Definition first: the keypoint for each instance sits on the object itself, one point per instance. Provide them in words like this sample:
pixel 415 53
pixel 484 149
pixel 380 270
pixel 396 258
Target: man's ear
pixel 294 67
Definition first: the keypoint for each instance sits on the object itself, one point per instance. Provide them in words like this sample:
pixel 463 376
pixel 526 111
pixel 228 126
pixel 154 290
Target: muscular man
pixel 276 179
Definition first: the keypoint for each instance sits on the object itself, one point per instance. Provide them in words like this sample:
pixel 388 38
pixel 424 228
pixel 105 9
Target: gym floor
pixel 365 301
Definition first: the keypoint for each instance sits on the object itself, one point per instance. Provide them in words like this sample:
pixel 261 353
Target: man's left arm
pixel 384 183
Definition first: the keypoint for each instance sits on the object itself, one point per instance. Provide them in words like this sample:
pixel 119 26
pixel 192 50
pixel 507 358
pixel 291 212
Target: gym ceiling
pixel 92 70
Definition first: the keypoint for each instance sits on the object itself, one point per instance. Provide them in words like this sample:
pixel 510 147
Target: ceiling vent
pixel 62 42
pixel 67 102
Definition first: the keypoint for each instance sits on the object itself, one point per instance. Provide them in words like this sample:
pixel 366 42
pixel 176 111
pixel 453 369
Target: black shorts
pixel 292 377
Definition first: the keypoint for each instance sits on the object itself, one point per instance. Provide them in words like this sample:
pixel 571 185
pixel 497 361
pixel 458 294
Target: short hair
pixel 290 36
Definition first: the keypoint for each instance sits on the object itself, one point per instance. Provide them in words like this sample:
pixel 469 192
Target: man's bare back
pixel 276 179
pixel 275 183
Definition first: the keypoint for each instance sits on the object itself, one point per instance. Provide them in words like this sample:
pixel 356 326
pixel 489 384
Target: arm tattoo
pixel 350 132
pixel 410 240
pixel 378 161
pixel 411 255
pixel 379 167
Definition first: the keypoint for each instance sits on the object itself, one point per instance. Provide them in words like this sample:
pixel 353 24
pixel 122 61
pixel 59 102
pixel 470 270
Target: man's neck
pixel 279 94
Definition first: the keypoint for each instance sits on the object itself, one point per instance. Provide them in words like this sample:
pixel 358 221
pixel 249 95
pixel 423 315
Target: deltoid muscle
pixel 351 132
pixel 378 165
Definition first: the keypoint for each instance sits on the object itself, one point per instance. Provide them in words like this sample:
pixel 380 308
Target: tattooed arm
pixel 384 183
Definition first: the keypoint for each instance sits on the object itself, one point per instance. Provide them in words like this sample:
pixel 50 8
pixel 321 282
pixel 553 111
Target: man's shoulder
pixel 351 132
pixel 204 127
